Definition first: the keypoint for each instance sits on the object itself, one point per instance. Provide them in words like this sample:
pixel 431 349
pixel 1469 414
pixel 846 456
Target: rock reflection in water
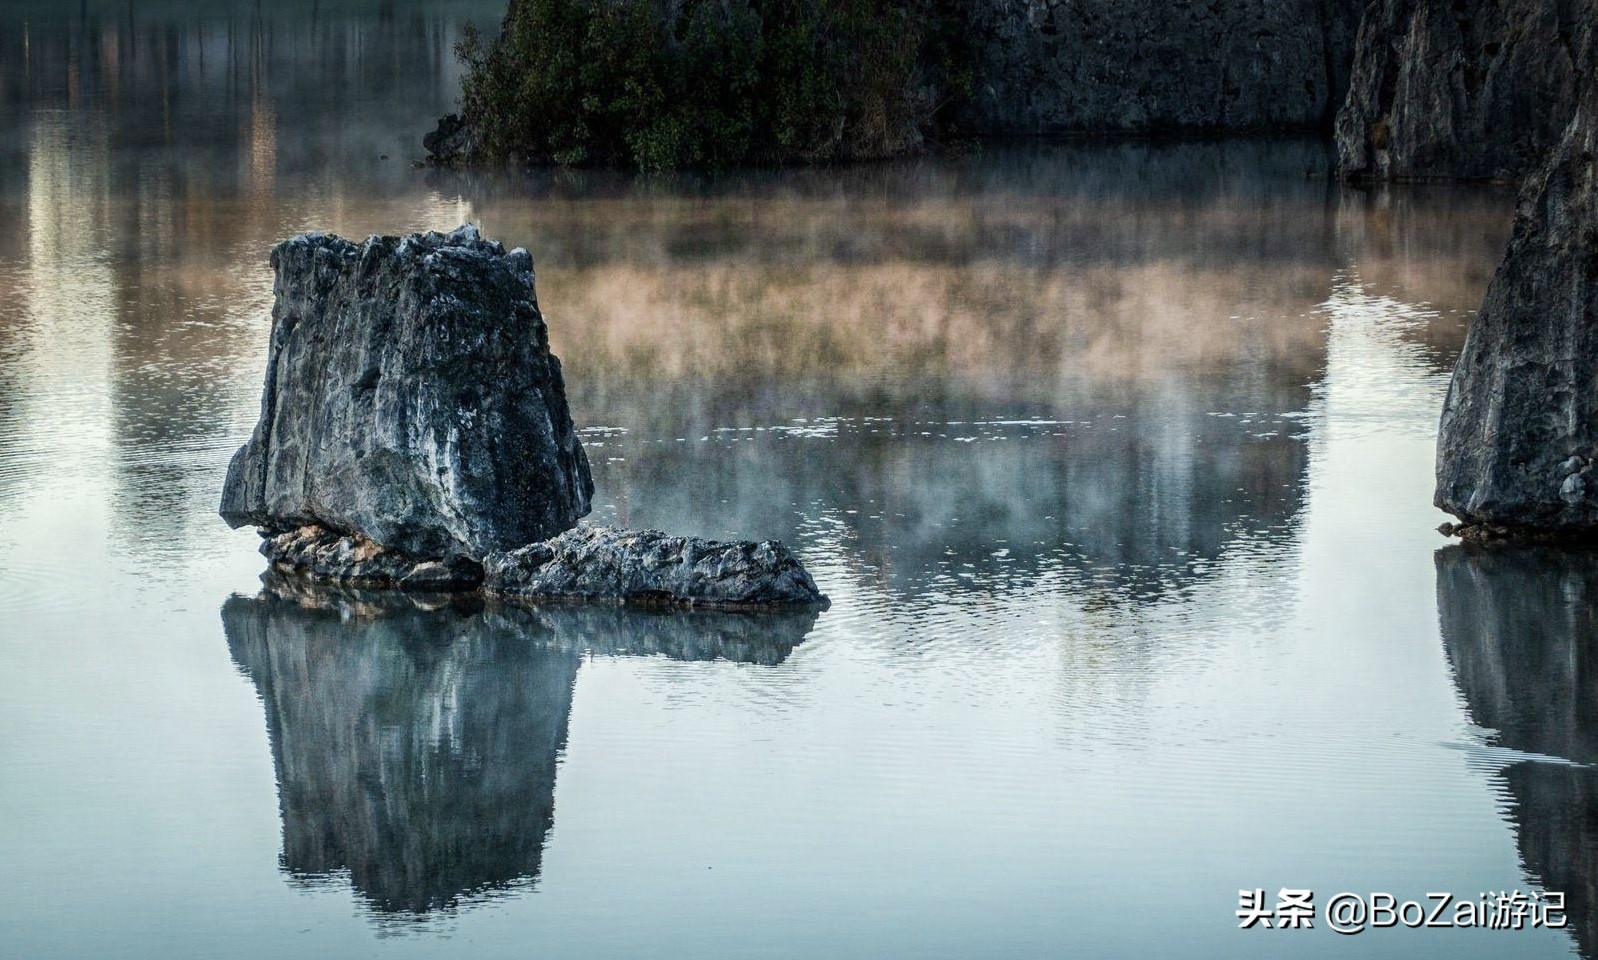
pixel 416 744
pixel 1521 629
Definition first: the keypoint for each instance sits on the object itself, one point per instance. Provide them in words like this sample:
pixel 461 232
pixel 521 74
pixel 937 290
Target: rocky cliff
pixel 879 79
pixel 1518 444
pixel 1462 88
pixel 1068 66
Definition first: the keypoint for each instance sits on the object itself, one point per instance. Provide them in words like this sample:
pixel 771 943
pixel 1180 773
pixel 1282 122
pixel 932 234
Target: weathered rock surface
pixel 411 400
pixel 318 553
pixel 1518 443
pixel 1151 66
pixel 452 142
pixel 1462 88
pixel 649 567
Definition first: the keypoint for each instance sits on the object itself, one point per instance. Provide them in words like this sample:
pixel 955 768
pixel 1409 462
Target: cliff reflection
pixel 1521 629
pixel 416 748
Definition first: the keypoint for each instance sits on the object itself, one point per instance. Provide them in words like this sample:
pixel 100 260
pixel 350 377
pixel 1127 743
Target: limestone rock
pixel 1152 66
pixel 411 400
pixel 1031 67
pixel 1462 88
pixel 321 554
pixel 1519 432
pixel 414 432
pixel 649 567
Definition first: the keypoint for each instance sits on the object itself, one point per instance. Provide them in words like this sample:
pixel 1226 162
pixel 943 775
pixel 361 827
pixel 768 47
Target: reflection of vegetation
pixel 710 82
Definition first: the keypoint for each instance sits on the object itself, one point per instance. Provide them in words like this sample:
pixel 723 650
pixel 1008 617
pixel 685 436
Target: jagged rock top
pixel 411 399
pixel 465 242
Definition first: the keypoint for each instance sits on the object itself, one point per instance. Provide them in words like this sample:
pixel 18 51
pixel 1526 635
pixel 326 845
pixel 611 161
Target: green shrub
pixel 711 82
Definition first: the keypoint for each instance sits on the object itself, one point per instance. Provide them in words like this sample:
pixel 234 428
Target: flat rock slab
pixel 652 568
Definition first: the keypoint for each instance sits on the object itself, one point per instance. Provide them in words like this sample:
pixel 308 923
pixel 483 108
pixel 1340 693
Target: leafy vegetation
pixel 712 82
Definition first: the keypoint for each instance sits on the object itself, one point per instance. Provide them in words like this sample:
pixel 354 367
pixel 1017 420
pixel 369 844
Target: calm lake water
pixel 1115 460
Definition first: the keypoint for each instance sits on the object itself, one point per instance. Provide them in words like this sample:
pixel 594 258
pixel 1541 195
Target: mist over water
pixel 1114 459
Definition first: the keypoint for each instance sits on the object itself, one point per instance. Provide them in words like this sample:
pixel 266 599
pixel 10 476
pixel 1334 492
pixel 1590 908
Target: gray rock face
pixel 1462 88
pixel 411 400
pixel 649 567
pixel 1052 66
pixel 1519 434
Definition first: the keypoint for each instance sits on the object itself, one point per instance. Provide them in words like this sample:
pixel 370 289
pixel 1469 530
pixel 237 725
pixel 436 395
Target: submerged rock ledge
pixel 587 564
pixel 414 434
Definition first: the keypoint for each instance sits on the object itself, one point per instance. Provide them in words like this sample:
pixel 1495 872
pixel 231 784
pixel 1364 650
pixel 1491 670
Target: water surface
pixel 1115 460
